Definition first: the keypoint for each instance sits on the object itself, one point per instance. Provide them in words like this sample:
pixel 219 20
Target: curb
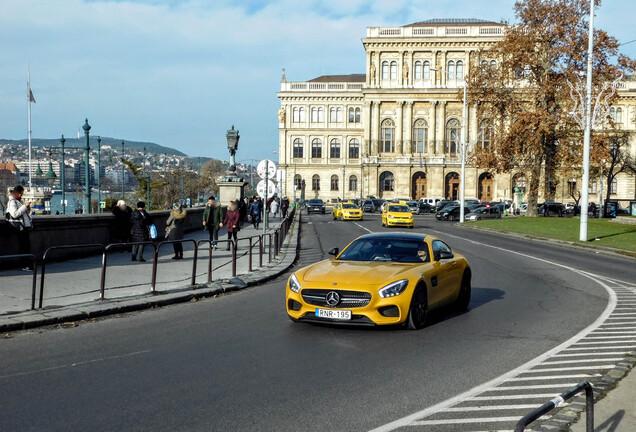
pixel 279 265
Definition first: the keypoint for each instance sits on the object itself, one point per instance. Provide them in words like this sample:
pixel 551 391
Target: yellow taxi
pixel 347 211
pixel 397 214
pixel 381 279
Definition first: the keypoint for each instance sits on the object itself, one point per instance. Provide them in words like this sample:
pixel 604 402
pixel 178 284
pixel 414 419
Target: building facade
pixel 395 131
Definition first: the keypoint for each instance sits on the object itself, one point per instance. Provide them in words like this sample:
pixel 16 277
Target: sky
pixel 181 73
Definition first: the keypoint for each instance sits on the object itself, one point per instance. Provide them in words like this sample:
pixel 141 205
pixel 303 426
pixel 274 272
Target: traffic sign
pixel 264 166
pixel 260 188
pixel 102 204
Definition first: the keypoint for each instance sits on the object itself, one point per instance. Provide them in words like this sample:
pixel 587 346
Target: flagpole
pixel 29 122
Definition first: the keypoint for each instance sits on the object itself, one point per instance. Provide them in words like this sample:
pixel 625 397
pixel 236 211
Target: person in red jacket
pixel 231 223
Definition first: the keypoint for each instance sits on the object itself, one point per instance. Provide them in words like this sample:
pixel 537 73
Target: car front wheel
pixel 463 299
pixel 418 311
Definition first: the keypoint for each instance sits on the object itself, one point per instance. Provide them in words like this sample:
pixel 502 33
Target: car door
pixel 442 280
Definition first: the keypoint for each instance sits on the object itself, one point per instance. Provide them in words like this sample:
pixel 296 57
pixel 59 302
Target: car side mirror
pixel 334 251
pixel 445 255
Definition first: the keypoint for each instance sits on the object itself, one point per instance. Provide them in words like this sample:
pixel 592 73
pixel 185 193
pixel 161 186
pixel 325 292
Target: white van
pixel 432 201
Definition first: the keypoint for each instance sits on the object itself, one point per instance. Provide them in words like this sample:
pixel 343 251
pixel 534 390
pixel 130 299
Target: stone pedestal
pixel 231 191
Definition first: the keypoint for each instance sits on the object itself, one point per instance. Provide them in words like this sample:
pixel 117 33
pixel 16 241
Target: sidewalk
pixel 72 288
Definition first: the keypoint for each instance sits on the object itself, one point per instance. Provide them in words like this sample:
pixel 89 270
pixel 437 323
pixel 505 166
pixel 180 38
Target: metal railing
pixel 34 264
pixel 560 400
pixel 273 241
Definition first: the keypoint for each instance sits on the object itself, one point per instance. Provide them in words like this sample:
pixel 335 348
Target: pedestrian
pixel 231 223
pixel 212 217
pixel 140 222
pixel 242 212
pixel 284 207
pixel 255 213
pixel 274 207
pixel 19 218
pixel 122 222
pixel 174 229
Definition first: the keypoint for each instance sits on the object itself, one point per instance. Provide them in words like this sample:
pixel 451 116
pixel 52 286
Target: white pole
pixel 29 121
pixel 587 132
pixel 462 184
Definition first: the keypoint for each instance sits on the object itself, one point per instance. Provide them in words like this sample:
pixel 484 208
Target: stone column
pixel 434 125
pixel 399 135
pixel 366 149
pixel 443 126
pixel 443 68
pixel 375 125
pixel 408 122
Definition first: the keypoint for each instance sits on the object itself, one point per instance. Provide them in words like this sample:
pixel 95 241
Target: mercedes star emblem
pixel 333 298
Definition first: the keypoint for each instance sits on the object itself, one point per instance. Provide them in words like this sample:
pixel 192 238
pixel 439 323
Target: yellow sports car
pixel 397 215
pixel 381 279
pixel 347 211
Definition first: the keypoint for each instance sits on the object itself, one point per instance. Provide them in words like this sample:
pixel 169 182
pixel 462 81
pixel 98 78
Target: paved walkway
pixel 72 288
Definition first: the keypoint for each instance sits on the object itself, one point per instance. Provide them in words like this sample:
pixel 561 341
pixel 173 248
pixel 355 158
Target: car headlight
pixel 294 285
pixel 393 289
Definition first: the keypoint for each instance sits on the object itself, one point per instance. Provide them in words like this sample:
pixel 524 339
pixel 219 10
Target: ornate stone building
pixel 395 132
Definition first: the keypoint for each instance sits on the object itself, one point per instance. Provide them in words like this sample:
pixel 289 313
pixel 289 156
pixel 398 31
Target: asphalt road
pixel 237 363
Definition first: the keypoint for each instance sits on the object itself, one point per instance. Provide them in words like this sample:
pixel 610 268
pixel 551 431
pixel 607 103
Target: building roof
pixel 451 21
pixel 341 78
pixel 9 166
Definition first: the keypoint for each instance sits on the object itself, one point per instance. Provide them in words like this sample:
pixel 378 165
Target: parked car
pixel 368 206
pixel 426 207
pixel 378 203
pixel 443 203
pixel 492 212
pixel 553 209
pixel 414 206
pixel 431 201
pixel 450 213
pixel 315 206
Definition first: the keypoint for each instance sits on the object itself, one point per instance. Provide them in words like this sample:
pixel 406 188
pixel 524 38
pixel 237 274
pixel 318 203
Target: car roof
pixel 397 236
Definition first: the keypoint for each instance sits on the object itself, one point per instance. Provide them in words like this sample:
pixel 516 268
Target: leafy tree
pixel 526 97
pixel 614 156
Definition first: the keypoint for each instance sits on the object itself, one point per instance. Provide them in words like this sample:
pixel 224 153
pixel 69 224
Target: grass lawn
pixel 601 232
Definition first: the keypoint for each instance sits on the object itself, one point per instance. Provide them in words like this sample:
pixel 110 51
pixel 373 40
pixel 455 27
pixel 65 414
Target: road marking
pixel 623 353
pixel 521 396
pixel 565 369
pixel 364 228
pixel 548 362
pixel 414 419
pixel 552 377
pixel 110 358
pixel 491 408
pixel 534 387
pixel 466 420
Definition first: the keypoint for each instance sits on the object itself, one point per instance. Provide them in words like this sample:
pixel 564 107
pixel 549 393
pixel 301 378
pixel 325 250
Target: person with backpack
pixel 19 218
pixel 140 225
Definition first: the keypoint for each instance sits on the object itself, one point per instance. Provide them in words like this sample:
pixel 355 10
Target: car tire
pixel 451 218
pixel 334 217
pixel 412 226
pixel 463 299
pixel 418 310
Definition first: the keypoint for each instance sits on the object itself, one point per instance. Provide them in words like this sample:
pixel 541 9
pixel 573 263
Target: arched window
pixel 298 182
pixel 387 136
pixel 334 182
pixel 450 69
pixel 493 64
pixel 315 182
pixel 420 136
pixel 484 64
pixel 298 114
pixel 614 186
pixel 417 70
pixel 393 70
pixel 357 115
pixel 335 115
pixel 619 115
pixel 334 149
pixel 459 71
pixel 298 148
pixel 385 70
pixel 316 148
pixel 314 115
pixel 452 136
pixel 353 183
pixel 387 182
pixel 352 117
pixel 485 134
pixel 354 149
pixel 426 73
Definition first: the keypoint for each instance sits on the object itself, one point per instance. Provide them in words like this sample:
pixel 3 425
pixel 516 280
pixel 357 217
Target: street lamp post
pixel 99 177
pixel 87 199
pixel 62 141
pixel 182 188
pixel 123 172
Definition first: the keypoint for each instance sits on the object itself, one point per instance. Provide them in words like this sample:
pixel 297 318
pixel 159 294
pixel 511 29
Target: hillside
pixel 113 142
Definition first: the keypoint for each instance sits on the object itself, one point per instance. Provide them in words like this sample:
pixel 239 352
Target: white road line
pixel 609 337
pixel 521 396
pixel 441 406
pixel 600 342
pixel 600 348
pixel 364 228
pixel 459 421
pixel 492 408
pixel 533 387
pixel 565 369
pixel 623 353
pixel 553 377
pixel 548 362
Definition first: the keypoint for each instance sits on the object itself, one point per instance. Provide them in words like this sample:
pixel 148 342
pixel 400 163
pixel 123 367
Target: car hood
pixel 353 274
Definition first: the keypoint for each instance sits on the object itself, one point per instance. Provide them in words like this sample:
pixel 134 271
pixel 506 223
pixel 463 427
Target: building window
pixel 316 148
pixel 298 148
pixel 484 64
pixel 417 72
pixel 572 187
pixel 334 149
pixel 450 70
pixel 315 182
pixel 393 70
pixel 298 182
pixel 420 136
pixel 485 134
pixel 452 136
pixel 385 70
pixel 387 136
pixel 493 64
pixel 616 115
pixel 354 149
pixel 317 115
pixel 426 73
pixel 354 115
pixel 353 183
pixel 387 182
pixel 335 115
pixel 614 187
pixel 459 70
pixel 591 188
pixel 298 114
pixel 334 182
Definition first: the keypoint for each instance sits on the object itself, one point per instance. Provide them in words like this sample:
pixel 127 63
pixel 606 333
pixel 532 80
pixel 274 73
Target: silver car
pixel 492 212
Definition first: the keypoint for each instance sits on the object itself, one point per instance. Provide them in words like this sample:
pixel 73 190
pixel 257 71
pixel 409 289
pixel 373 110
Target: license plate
pixel 333 314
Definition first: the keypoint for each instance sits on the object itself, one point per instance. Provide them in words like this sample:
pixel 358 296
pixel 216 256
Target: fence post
pixel 194 261
pixel 102 282
pixel 233 246
pixel 153 280
pixel 260 250
pixel 250 256
pixel 35 278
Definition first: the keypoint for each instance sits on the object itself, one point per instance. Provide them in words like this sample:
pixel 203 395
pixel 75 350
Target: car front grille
pixel 348 299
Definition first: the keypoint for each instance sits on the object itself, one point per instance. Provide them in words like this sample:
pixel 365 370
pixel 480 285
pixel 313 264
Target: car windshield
pixel 399 209
pixel 349 206
pixel 412 203
pixel 479 210
pixel 315 202
pixel 386 249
